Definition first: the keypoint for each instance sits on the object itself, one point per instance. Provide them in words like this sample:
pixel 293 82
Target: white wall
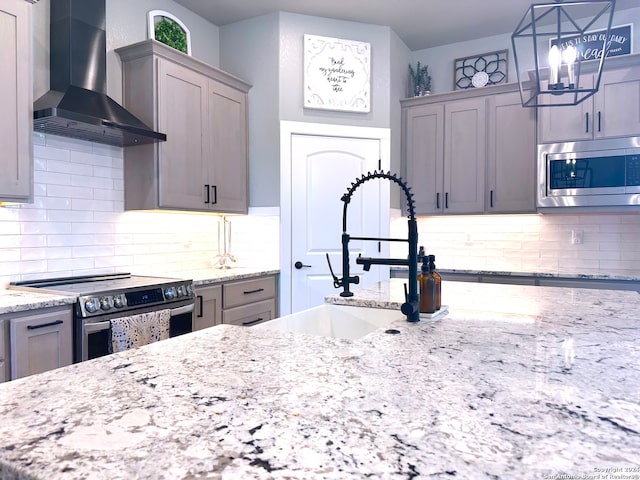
pixel 248 49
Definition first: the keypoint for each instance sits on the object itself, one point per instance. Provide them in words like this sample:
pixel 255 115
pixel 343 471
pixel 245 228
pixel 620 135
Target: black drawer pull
pixel 208 195
pixel 252 322
pixel 254 291
pixel 599 121
pixel 491 199
pixel 438 200
pixel 201 314
pixel 446 200
pixel 587 122
pixel 215 194
pixel 44 325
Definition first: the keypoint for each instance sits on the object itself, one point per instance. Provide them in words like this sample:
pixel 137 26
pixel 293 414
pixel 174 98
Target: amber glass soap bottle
pixel 427 288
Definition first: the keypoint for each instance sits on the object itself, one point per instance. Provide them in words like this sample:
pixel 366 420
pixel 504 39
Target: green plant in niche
pixel 171 34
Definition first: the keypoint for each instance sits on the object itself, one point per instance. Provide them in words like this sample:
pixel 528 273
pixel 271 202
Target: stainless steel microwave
pixel 593 173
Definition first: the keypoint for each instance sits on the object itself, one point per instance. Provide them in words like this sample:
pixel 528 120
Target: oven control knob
pixel 92 305
pixel 189 290
pixel 170 293
pixel 181 291
pixel 106 303
pixel 118 301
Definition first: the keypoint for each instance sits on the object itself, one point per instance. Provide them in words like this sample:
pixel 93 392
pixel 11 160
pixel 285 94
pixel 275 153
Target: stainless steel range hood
pixel 77 105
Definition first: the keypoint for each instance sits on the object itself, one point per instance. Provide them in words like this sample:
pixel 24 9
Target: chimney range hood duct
pixel 77 106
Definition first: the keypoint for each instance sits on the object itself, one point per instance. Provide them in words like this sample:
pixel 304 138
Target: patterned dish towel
pixel 138 330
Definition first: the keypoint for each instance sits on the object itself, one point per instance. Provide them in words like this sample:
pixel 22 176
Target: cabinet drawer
pixel 252 314
pixel 248 291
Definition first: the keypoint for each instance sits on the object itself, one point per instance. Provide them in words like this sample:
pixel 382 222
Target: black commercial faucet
pixel 411 305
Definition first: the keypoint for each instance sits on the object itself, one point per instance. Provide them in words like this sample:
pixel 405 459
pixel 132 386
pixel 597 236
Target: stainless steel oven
pixel 103 298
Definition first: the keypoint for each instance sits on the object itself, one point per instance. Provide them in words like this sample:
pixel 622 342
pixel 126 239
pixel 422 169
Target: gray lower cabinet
pixel 203 165
pixel 40 340
pixel 16 98
pixel 249 302
pixel 470 152
pixel 208 312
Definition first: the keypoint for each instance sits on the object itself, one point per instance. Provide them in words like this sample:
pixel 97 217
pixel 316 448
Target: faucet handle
pixel 410 308
pixel 337 283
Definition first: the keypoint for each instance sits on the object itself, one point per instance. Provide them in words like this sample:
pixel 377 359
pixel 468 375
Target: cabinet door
pixel 464 156
pixel 227 114
pixel 181 100
pixel 424 156
pixel 569 123
pixel 40 342
pixel 511 150
pixel 4 361
pixel 208 307
pixel 617 104
pixel 16 121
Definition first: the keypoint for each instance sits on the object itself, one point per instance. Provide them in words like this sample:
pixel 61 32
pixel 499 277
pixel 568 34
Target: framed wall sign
pixel 337 74
pixel 590 44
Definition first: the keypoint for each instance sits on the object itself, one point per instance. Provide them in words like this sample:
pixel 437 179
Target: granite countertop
pixel 570 276
pixel 12 301
pixel 515 382
pixel 17 300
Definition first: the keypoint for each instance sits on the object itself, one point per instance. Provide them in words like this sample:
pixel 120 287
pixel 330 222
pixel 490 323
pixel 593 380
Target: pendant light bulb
pixel 555 60
pixel 569 56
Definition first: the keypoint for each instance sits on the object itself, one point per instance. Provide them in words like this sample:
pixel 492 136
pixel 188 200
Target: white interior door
pixel 322 169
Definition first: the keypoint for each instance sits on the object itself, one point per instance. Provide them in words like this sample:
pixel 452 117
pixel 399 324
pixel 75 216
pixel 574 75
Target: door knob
pixel 300 265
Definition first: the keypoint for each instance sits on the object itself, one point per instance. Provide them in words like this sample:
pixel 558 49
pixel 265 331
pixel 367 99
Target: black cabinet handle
pixel 599 121
pixel 44 325
pixel 254 291
pixel 587 122
pixel 491 199
pixel 438 200
pixel 215 194
pixel 446 200
pixel 252 322
pixel 207 194
pixel 201 314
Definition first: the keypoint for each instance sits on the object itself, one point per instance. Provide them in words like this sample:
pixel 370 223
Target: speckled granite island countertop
pixel 516 382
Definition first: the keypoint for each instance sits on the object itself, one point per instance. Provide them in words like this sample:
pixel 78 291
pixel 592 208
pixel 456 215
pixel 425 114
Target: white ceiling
pixel 419 23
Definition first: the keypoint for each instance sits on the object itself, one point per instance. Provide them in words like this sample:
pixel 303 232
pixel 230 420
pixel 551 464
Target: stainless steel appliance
pixel 594 173
pixel 101 298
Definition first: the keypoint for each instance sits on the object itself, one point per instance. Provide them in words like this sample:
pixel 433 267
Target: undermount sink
pixel 336 321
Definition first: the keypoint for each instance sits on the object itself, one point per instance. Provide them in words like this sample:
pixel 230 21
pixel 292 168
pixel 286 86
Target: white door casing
pixel 318 164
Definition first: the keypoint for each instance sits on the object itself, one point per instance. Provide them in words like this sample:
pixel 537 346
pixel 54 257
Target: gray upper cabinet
pixel 203 164
pixel 16 98
pixel 511 146
pixel 445 155
pixel 614 111
pixel 470 152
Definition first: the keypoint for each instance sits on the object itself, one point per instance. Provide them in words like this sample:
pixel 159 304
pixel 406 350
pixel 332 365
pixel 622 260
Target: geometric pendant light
pixel 555 34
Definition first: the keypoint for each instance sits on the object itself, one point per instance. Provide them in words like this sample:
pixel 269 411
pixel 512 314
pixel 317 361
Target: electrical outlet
pixel 577 237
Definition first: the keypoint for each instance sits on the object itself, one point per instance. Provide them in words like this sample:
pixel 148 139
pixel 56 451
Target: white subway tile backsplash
pixel 67 191
pixel 57 228
pixel 68 167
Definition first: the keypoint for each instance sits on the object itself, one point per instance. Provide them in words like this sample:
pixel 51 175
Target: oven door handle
pixel 181 310
pixel 97 327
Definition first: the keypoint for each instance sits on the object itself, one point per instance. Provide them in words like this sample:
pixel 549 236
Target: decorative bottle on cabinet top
pixel 427 288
